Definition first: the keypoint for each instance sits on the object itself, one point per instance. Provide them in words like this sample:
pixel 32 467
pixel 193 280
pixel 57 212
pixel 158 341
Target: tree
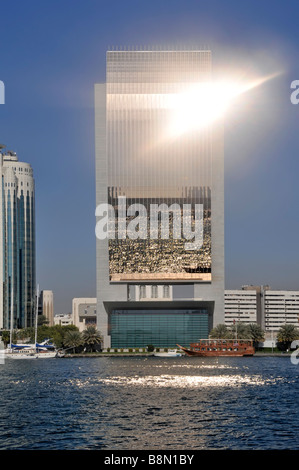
pixel 42 320
pixel 240 330
pixel 56 333
pixel 286 334
pixel 30 334
pixel 220 331
pixel 73 339
pixel 5 337
pixel 22 334
pixel 91 337
pixel 257 334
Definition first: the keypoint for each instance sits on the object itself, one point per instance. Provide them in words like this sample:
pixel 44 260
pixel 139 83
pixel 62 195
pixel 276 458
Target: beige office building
pixel 46 304
pixel 84 312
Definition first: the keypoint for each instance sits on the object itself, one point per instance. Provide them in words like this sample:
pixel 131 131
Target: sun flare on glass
pixel 204 103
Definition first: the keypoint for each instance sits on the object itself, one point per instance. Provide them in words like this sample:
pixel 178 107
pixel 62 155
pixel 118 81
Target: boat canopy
pixel 30 346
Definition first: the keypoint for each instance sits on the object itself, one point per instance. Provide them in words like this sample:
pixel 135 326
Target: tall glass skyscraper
pixel 162 181
pixel 17 243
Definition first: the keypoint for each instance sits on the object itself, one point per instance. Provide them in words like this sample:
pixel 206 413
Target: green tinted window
pixel 162 328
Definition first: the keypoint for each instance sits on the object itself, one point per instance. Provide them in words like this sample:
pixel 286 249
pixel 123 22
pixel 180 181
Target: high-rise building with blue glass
pixel 154 163
pixel 17 242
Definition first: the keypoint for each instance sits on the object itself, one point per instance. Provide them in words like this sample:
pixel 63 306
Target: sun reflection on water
pixel 199 366
pixel 185 381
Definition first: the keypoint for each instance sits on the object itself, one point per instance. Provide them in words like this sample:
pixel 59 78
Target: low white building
pixel 84 311
pixel 280 308
pixel 271 309
pixel 240 306
pixel 63 319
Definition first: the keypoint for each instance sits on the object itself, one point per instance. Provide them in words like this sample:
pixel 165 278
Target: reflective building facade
pixel 17 242
pixel 163 184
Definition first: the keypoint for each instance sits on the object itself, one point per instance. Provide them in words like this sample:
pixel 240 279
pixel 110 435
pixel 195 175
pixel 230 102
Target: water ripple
pixel 138 403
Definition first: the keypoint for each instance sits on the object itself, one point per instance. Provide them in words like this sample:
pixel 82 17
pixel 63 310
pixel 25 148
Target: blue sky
pixel 52 53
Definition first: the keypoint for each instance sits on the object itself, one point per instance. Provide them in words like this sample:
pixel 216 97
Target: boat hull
pixel 46 355
pixel 21 356
pixel 33 355
pixel 218 351
pixel 167 355
pixel 214 353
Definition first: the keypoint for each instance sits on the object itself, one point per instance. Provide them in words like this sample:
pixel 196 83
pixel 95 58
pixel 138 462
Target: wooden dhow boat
pixel 220 347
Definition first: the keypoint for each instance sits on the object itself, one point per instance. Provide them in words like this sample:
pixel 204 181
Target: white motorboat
pixel 169 353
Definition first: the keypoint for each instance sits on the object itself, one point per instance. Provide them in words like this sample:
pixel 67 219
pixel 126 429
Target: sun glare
pixel 204 103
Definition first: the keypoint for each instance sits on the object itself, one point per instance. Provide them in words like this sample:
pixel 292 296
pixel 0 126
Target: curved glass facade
pixel 18 241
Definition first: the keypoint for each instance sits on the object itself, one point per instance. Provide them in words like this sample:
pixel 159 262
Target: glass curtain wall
pixel 163 328
pixel 150 162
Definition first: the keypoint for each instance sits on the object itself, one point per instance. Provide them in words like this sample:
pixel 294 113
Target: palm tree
pixel 286 334
pixel 5 337
pixel 240 331
pixel 257 334
pixel 91 336
pixel 73 339
pixel 220 331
